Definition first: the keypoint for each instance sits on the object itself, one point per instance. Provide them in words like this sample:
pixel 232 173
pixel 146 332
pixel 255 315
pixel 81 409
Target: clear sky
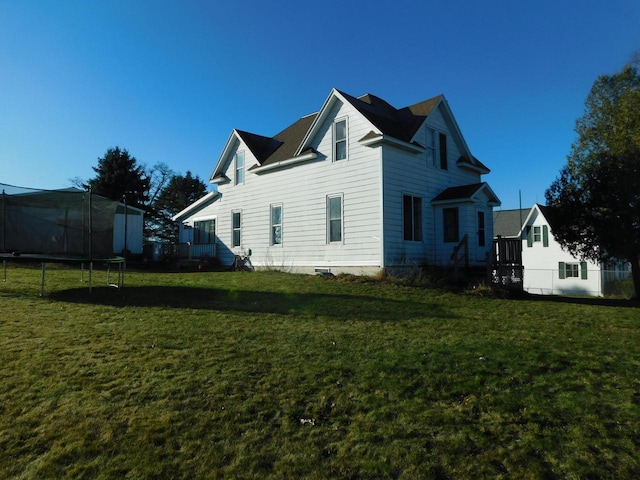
pixel 169 80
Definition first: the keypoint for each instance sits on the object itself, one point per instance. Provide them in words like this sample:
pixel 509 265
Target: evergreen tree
pixel 179 193
pixel 119 177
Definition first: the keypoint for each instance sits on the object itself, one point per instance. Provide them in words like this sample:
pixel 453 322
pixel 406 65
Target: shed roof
pixel 508 223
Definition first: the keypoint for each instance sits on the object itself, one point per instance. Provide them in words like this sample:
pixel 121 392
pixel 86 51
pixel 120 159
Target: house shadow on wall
pixel 231 300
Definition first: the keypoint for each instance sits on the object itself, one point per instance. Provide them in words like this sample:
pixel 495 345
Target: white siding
pixel 413 174
pixel 133 226
pixel 302 191
pixel 541 275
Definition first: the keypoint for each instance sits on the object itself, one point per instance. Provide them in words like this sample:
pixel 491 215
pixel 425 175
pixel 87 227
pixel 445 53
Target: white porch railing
pixel 196 250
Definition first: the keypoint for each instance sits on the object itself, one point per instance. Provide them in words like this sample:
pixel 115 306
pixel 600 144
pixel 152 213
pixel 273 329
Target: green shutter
pixel 545 236
pixel 583 270
pixel 529 235
pixel 562 271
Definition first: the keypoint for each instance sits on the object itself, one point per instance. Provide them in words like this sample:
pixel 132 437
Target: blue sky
pixel 169 80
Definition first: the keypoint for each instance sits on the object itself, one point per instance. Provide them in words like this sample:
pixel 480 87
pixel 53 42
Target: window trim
pixel 417 235
pixel 336 141
pixel 272 225
pixel 235 229
pixel 537 233
pixel 329 219
pixel 443 151
pixel 530 233
pixel 431 149
pixel 196 230
pixel 482 228
pixel 579 268
pixel 239 171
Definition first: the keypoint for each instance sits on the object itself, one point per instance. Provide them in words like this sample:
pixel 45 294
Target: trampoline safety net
pixel 68 222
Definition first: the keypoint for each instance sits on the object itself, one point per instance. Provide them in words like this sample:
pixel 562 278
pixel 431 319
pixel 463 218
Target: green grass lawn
pixel 263 375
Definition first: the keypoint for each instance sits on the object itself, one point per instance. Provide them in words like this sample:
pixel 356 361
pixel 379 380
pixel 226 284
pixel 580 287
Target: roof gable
pixel 466 193
pixel 294 143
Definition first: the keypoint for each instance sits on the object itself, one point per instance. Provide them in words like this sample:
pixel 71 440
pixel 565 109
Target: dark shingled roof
pixel 283 145
pixel 262 147
pixel 458 193
pixel 401 124
pixel 550 214
pixel 507 223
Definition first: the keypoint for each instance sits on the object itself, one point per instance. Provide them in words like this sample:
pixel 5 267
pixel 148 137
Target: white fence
pixel 597 282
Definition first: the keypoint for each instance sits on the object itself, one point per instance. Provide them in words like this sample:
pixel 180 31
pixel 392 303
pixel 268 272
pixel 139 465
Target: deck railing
pixel 191 251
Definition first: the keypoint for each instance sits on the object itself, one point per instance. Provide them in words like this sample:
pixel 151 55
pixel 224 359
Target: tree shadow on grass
pixel 306 304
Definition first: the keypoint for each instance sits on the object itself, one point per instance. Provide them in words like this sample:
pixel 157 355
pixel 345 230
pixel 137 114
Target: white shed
pixel 128 227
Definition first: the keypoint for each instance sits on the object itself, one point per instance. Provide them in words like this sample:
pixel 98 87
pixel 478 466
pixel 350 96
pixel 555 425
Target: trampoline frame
pixel 121 262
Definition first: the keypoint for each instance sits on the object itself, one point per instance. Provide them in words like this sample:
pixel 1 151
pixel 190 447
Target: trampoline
pixel 119 262
pixel 68 226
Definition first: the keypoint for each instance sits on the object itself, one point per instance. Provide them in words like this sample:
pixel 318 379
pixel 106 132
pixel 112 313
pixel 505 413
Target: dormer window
pixel 340 140
pixel 239 167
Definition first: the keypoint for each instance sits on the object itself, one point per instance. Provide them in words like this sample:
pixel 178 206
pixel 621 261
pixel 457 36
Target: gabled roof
pixel 465 193
pixel 401 124
pixel 547 212
pixel 395 126
pixel 508 223
pixel 198 204
pixel 287 141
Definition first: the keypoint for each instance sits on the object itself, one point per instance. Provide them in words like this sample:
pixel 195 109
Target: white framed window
pixel 239 168
pixel 276 224
pixel 431 146
pixel 412 218
pixel 334 218
pixel 236 228
pixel 444 164
pixel 573 270
pixel 537 234
pixel 340 140
pixel 204 231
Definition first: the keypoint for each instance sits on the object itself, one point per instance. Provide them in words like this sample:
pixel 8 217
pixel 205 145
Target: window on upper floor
pixel 334 219
pixel 444 165
pixel 239 168
pixel 412 218
pixel 276 224
pixel 431 146
pixel 204 231
pixel 450 224
pixel 236 228
pixel 340 140
pixel 537 234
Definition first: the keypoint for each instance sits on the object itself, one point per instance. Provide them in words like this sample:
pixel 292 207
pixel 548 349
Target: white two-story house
pixel 357 187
